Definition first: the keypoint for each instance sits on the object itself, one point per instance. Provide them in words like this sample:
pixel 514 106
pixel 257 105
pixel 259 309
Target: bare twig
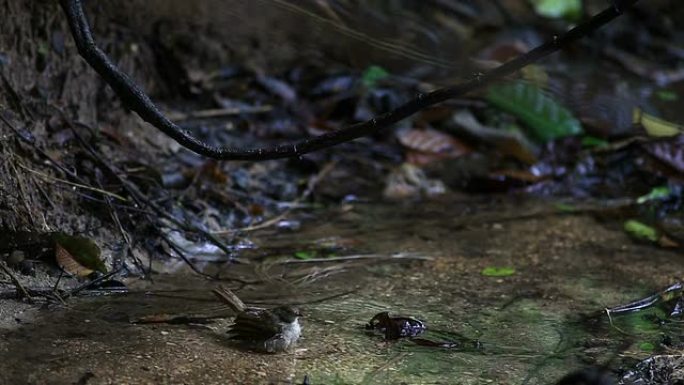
pixel 137 100
pixel 28 139
pixel 178 250
pixel 115 217
pixel 22 188
pixel 85 187
pixel 92 283
pixel 15 281
pixel 218 113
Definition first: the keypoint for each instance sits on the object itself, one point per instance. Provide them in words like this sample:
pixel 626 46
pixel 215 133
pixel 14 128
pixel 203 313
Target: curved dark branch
pixel 137 100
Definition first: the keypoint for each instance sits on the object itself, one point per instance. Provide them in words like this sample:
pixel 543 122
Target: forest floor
pixel 507 220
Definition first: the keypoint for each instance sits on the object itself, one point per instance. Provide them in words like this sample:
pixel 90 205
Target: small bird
pixel 267 330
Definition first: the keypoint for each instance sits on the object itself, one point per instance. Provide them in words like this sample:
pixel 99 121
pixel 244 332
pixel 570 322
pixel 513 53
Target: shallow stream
pixel 421 260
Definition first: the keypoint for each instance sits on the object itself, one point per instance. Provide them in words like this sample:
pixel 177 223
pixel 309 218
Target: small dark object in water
pixel 396 327
pixel 589 376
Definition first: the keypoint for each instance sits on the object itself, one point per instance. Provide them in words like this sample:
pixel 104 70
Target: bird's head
pixel 287 313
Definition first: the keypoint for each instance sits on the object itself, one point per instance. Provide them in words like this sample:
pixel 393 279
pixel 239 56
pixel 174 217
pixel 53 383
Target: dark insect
pixel 395 327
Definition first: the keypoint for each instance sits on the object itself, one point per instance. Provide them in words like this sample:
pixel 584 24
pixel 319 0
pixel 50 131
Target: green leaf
pixel 83 250
pixel 657 193
pixel 569 9
pixel 304 255
pixel 647 346
pixel 493 271
pixel 546 118
pixel 593 142
pixel 641 231
pixel 655 126
pixel 565 208
pixel 667 96
pixel 372 75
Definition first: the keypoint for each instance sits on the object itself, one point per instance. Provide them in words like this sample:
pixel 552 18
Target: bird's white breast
pixel 285 340
pixel 291 332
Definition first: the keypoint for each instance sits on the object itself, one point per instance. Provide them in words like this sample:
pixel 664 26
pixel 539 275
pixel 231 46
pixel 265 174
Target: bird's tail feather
pixel 229 298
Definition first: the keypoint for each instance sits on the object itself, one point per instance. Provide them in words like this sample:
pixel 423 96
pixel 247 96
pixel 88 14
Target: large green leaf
pixel 546 118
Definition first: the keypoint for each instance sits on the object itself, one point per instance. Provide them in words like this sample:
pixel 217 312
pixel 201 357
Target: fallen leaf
pixel 655 126
pixel 69 264
pixel 428 145
pixel 641 231
pixel 493 271
pixel 509 143
pixel 546 118
pixel 657 193
pixel 304 255
pixel 77 255
pixel 372 75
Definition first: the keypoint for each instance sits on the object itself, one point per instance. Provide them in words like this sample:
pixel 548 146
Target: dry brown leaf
pixel 428 145
pixel 67 263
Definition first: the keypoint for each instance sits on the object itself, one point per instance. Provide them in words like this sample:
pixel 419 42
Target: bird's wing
pixel 255 324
